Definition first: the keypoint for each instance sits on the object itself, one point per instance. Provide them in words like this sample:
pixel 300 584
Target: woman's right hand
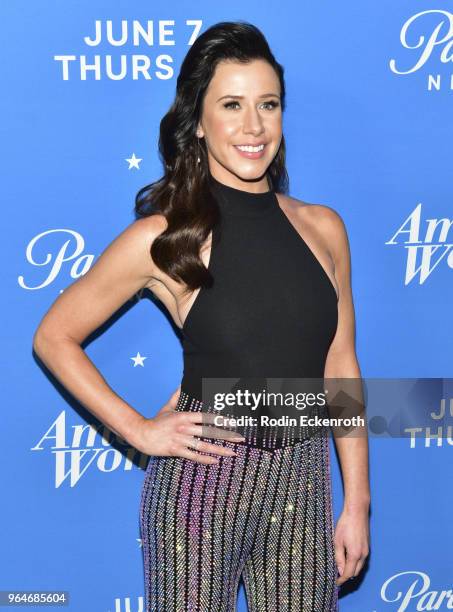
pixel 172 433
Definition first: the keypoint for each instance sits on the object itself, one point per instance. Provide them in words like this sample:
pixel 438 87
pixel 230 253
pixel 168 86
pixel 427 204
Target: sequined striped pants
pixel 263 515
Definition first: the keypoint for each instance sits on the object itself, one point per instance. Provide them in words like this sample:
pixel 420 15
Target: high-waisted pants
pixel 264 515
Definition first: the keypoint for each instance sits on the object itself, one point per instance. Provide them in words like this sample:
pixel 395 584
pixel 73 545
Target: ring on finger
pixel 195 443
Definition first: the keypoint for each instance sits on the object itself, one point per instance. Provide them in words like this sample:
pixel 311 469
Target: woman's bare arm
pixel 352 528
pixel 123 268
pixel 342 363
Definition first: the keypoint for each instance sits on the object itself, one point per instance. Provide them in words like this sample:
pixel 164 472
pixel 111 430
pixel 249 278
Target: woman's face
pixel 241 108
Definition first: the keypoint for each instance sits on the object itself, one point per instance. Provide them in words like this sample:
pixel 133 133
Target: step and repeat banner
pixel 368 127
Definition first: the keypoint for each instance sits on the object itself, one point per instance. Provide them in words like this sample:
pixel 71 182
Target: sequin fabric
pixel 264 515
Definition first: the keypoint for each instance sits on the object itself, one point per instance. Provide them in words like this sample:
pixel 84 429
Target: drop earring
pixel 198 158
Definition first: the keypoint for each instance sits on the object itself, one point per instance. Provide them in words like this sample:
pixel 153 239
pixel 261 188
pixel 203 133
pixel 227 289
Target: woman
pixel 258 282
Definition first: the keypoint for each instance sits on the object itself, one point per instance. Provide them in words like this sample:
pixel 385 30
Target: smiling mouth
pixel 250 148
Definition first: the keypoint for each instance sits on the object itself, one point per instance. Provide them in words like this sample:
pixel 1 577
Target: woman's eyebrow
pixel 266 95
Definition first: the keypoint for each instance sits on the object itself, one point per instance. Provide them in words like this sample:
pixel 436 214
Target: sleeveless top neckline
pixel 238 202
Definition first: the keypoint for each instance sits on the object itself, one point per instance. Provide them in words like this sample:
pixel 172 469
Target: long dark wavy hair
pixel 183 195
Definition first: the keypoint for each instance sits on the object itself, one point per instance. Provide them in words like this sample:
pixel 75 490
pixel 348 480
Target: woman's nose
pixel 253 123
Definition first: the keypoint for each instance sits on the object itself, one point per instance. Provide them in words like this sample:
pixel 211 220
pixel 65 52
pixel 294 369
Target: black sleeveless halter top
pixel 272 310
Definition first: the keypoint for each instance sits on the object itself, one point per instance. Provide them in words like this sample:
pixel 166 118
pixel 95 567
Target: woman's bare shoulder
pixel 148 228
pixel 317 212
pixel 322 218
pixel 144 231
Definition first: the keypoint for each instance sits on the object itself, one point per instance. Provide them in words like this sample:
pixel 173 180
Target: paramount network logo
pixel 425 251
pixel 411 591
pixel 428 33
pixel 87 448
pixel 69 252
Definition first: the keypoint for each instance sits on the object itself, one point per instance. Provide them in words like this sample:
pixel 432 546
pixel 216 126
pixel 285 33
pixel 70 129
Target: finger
pixel 208 418
pixel 173 401
pixel 360 563
pixel 348 570
pixel 175 397
pixel 167 408
pixel 212 432
pixel 186 453
pixel 342 579
pixel 340 558
pixel 199 416
pixel 206 447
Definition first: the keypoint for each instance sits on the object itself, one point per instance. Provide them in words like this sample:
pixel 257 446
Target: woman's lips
pixel 251 154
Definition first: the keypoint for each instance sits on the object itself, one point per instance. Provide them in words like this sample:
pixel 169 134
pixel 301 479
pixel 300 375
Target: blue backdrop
pixel 368 130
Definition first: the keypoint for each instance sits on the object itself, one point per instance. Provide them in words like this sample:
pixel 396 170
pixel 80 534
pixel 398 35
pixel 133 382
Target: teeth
pixel 250 149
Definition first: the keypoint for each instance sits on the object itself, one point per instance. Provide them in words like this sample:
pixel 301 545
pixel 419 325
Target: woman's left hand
pixel 352 535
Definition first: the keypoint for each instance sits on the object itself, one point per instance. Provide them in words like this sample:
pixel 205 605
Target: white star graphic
pixel 139 540
pixel 138 360
pixel 134 161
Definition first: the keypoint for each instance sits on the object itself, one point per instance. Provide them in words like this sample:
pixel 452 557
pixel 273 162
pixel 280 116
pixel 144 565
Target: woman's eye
pixel 271 104
pixel 228 104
